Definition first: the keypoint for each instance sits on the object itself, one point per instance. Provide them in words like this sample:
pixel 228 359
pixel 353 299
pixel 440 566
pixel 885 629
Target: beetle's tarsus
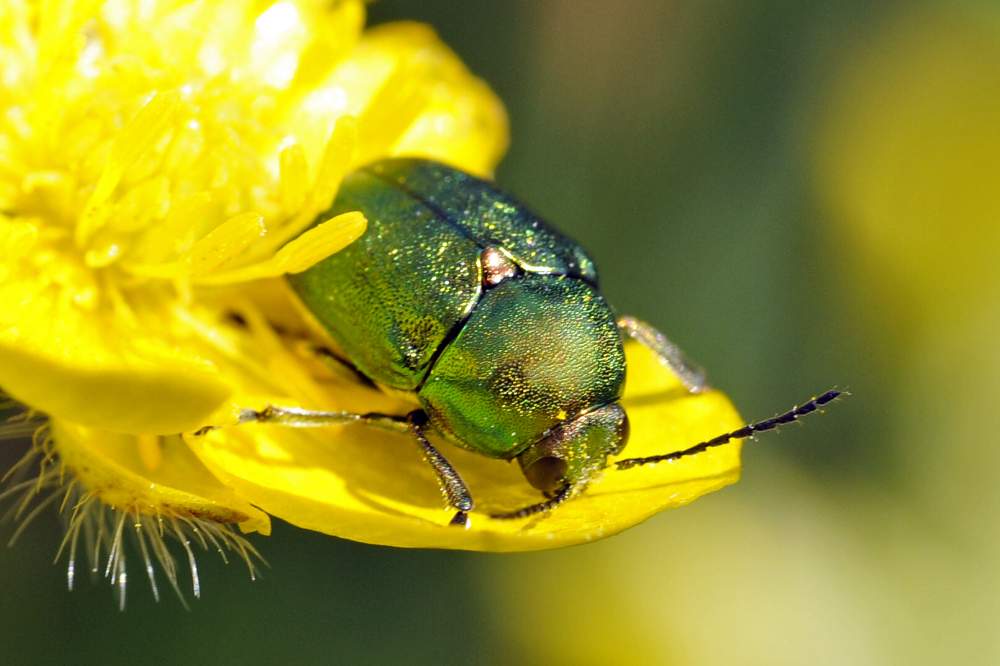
pixel 692 375
pixel 252 415
pixel 746 431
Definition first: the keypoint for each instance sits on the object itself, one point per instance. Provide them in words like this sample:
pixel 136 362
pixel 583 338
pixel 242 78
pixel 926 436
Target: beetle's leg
pixel 669 353
pixel 561 496
pixel 413 423
pixel 295 417
pixel 454 488
pixel 746 431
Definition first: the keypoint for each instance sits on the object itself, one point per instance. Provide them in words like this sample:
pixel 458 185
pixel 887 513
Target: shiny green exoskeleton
pixel 491 319
pixel 457 293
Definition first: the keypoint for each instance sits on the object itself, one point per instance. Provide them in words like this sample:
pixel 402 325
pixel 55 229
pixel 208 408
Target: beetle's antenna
pixel 746 431
pixel 561 496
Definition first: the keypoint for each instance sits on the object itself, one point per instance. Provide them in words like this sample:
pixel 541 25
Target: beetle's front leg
pixel 670 354
pixel 295 417
pixel 454 488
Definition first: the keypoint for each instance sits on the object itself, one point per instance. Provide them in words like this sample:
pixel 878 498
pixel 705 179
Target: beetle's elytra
pixel 492 320
pixel 460 295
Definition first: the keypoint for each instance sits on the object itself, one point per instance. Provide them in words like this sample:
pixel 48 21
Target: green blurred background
pixel 803 194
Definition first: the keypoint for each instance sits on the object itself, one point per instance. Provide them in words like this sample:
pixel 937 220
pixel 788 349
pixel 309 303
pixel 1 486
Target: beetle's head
pixel 575 450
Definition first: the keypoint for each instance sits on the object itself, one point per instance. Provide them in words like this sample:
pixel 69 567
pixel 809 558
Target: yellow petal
pixel 123 396
pixel 365 485
pixel 461 122
pixel 149 475
pixel 69 351
pixel 412 96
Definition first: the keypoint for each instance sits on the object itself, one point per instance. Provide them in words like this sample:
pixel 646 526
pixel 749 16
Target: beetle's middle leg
pixel 414 423
pixel 670 354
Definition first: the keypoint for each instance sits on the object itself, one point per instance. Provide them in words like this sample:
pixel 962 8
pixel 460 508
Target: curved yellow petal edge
pixel 365 485
pixel 150 476
pixel 149 399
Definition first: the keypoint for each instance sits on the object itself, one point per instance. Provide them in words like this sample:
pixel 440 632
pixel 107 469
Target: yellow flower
pixel 159 162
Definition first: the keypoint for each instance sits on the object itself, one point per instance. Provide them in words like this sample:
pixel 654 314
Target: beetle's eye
pixel 546 473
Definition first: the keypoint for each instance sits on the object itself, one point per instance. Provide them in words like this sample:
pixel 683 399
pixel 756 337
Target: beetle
pixel 461 297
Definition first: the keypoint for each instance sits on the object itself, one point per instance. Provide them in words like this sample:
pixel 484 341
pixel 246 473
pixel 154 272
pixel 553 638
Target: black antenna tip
pixel 828 397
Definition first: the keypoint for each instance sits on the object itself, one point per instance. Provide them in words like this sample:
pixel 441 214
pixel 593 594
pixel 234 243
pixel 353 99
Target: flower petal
pixel 150 475
pixel 463 122
pixel 126 397
pixel 361 484
pixel 67 351
pixel 412 96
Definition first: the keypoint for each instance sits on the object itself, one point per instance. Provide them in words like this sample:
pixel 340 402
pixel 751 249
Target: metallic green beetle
pixel 458 294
